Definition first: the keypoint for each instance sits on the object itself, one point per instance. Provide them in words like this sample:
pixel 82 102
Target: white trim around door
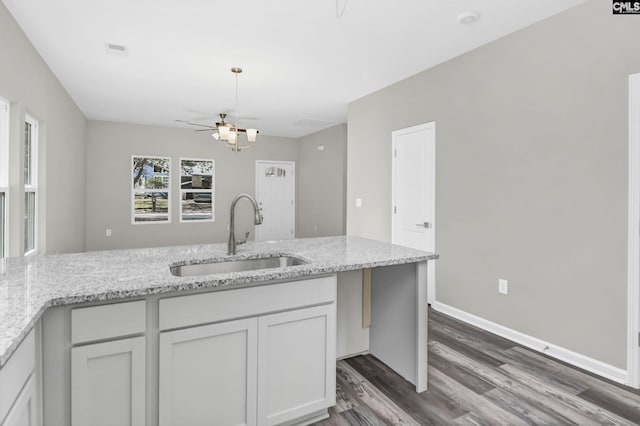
pixel 633 263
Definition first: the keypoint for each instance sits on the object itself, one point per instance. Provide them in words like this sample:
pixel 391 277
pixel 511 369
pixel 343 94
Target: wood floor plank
pixel 438 318
pixel 515 356
pixel 554 374
pixel 476 404
pixel 534 413
pixel 474 339
pixel 471 419
pixel 342 400
pixel 353 417
pixel 580 378
pixel 368 395
pixel 599 414
pixel 477 378
pixel 458 345
pixel 429 408
pixel 461 375
pixel 620 403
pixel 500 379
pixel 335 419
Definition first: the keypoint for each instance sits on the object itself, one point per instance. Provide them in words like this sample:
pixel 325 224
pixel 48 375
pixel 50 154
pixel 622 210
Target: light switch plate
pixel 358 202
pixel 503 286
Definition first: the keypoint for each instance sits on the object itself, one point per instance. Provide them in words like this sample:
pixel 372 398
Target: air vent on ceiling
pixel 116 49
pixel 312 122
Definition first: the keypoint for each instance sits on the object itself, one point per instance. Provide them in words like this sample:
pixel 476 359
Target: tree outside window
pixel 150 191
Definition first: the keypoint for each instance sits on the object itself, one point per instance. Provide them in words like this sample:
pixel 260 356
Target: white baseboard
pixel 592 365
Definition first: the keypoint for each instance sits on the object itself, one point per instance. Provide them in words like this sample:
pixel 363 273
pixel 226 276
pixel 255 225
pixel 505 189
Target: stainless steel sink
pixel 240 265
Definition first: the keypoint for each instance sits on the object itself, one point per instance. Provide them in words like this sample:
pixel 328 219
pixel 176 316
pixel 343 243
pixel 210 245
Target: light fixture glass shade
pixel 215 135
pixel 252 134
pixel 233 137
pixel 224 132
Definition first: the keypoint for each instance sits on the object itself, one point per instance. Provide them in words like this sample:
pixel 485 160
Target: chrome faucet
pixel 231 245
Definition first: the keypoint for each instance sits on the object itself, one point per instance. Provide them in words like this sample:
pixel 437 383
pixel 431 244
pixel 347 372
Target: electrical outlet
pixel 503 286
pixel 107 232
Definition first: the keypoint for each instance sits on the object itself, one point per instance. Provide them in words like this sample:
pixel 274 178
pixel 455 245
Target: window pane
pixel 196 174
pixel 197 205
pixel 150 173
pixel 29 221
pixel 151 206
pixel 2 216
pixel 27 154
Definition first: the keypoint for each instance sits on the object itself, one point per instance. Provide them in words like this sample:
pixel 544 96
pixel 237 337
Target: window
pixel 30 164
pixel 150 189
pixel 4 175
pixel 196 190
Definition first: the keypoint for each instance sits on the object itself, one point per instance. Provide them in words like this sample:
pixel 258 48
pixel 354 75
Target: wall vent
pixel 116 49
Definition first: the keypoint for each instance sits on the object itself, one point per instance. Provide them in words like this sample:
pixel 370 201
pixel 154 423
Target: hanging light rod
pixel 227 133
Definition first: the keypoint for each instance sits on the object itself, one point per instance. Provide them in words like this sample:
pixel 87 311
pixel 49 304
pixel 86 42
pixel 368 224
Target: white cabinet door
pixel 297 364
pixel 208 375
pixel 24 410
pixel 108 383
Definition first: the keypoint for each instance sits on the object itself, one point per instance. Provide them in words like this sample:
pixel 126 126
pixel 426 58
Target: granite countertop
pixel 30 285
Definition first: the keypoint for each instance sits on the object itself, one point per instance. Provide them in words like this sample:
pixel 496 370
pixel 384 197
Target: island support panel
pixel 398 334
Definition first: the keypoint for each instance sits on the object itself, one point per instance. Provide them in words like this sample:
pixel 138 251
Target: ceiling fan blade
pixel 205 130
pixel 195 124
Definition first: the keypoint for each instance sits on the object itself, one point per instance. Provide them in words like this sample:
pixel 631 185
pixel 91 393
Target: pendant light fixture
pixel 229 133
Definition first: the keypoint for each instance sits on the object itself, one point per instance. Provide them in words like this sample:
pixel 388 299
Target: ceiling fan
pixel 226 132
pixel 222 129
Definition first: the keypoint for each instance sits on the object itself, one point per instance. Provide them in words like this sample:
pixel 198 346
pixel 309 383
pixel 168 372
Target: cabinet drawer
pixel 16 372
pixel 184 311
pixel 108 321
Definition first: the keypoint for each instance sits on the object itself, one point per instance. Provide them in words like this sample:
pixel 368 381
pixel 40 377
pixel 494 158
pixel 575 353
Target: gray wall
pixel 531 175
pixel 110 147
pixel 321 183
pixel 27 82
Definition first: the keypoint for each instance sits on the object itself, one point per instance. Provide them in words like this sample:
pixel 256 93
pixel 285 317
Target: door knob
pixel 424 225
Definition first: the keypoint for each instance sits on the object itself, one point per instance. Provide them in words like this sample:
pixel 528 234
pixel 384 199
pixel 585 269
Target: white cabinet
pixel 265 369
pixel 24 411
pixel 18 386
pixel 208 375
pixel 296 364
pixel 108 383
pixel 108 379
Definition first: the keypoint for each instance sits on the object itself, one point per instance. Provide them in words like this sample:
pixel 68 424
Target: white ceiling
pixel 302 63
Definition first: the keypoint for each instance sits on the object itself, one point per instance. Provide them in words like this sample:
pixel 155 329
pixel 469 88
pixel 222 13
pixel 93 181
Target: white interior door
pixel 275 193
pixel 413 192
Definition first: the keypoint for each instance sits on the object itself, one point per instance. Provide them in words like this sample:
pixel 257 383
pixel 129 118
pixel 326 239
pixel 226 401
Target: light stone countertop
pixel 28 286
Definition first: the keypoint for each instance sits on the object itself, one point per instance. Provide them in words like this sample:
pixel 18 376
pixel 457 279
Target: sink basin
pixel 235 266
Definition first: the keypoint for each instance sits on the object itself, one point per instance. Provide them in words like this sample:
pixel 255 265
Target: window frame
pixel 133 192
pixel 211 190
pixel 5 107
pixel 32 186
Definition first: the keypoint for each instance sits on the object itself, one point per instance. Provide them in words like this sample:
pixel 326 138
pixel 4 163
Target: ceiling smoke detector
pixel 468 17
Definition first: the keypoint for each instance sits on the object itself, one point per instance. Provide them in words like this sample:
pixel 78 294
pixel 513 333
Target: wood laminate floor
pixel 477 378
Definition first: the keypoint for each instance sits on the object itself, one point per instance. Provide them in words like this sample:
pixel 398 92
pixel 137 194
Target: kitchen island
pixel 39 295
